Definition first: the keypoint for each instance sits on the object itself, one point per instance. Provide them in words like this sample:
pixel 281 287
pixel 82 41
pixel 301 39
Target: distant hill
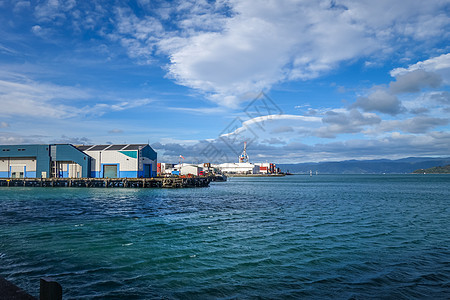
pixel 434 170
pixel 379 166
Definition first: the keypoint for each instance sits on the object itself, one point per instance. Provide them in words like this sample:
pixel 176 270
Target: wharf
pixel 171 182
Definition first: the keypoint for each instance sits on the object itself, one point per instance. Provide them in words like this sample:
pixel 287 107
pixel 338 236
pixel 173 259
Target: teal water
pixel 320 237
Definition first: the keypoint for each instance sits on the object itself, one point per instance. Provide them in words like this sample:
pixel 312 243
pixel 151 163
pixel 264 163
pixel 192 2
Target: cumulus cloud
pixel 434 64
pixel 418 124
pixel 72 140
pixel 441 97
pixel 380 100
pixel 414 81
pixel 395 145
pixel 227 49
pixel 8 138
pixel 341 121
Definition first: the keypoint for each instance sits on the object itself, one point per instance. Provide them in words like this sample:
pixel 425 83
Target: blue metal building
pixel 68 161
pixel 31 161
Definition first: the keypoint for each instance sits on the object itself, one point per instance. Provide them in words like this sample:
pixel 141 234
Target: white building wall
pixel 127 166
pixel 26 166
pixel 69 169
pixel 239 168
pixel 187 169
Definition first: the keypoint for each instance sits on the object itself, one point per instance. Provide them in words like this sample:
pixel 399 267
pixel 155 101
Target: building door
pixel 109 171
pixel 17 171
pixel 147 170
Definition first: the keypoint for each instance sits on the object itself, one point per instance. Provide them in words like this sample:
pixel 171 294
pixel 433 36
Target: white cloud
pixel 20 96
pixel 29 98
pixel 394 145
pixel 264 43
pixel 72 140
pixel 200 110
pixel 414 81
pixel 102 108
pixel 21 5
pixel 7 138
pixel 41 32
pixel 261 119
pixel 228 49
pixel 380 100
pixel 4 125
pixel 431 65
pixel 260 43
pixel 52 10
pixel 418 125
pixel 339 122
pixel 439 65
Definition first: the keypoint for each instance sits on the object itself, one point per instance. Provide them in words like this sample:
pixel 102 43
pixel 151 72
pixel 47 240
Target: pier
pixel 158 182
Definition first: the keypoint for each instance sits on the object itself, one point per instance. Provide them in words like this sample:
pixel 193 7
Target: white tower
pixel 244 157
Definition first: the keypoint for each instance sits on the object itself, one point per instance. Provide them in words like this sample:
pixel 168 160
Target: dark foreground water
pixel 340 237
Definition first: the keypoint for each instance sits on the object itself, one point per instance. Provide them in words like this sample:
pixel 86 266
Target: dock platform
pixel 158 182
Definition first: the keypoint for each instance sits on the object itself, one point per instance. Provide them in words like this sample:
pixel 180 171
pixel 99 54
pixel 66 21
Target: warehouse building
pixel 120 161
pixel 68 161
pixel 31 161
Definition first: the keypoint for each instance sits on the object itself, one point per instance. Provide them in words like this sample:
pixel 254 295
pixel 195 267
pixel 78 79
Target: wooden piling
pixel 50 290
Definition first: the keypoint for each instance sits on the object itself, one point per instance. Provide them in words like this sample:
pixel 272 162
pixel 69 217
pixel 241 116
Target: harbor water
pixel 319 237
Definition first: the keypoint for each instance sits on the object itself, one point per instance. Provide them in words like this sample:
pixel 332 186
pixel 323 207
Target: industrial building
pixel 68 161
pixel 31 161
pixel 120 161
pixel 239 168
pixel 165 169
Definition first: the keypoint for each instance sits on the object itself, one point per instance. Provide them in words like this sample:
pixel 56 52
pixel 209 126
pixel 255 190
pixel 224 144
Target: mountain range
pixel 378 166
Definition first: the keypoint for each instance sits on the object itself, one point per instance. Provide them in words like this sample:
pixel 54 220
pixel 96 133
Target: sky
pixel 299 81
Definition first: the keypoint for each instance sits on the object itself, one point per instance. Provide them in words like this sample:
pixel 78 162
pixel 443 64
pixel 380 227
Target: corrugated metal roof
pixel 110 147
pixel 83 147
pixel 99 147
pixel 116 147
pixel 135 147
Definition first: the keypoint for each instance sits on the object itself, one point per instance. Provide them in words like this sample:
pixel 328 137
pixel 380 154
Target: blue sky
pixel 298 80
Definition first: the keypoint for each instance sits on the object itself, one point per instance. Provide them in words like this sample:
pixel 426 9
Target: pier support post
pixel 50 290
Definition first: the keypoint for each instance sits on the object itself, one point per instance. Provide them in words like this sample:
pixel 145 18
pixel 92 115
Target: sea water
pixel 319 237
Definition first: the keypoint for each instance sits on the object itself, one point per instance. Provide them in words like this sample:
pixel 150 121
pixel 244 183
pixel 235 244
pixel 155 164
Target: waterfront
pixel 326 236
